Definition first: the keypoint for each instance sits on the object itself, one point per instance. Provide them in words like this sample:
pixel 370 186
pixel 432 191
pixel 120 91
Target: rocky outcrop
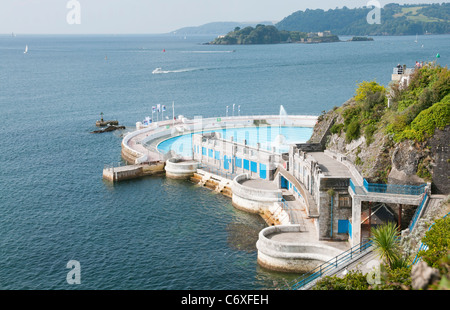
pixel 108 129
pixel 422 276
pixel 405 161
pixel 384 161
pixel 440 152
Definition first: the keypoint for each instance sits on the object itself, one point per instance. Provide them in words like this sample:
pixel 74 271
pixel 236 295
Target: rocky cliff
pixel 362 129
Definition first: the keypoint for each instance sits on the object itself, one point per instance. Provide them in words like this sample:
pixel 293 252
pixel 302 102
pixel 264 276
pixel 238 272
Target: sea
pixel 152 233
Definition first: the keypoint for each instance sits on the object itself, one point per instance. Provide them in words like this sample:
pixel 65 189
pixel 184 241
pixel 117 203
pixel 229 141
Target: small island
pixel 358 39
pixel 263 34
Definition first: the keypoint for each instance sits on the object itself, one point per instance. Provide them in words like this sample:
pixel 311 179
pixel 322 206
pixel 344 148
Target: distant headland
pixel 406 19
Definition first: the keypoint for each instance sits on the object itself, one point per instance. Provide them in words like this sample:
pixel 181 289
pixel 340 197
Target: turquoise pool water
pixel 267 136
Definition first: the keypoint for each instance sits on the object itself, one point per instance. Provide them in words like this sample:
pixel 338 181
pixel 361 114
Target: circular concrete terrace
pixel 294 248
pixel 259 184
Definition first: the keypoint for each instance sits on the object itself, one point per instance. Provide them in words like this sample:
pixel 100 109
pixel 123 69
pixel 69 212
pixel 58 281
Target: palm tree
pixel 387 243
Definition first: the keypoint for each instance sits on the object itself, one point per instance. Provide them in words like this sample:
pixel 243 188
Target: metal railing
pixel 418 212
pixel 352 186
pixel 218 171
pixel 398 70
pixel 330 266
pixel 394 188
pixel 423 246
pixel 283 206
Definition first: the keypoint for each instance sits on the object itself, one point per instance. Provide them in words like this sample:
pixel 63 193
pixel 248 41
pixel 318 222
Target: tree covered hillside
pixel 261 34
pixel 395 20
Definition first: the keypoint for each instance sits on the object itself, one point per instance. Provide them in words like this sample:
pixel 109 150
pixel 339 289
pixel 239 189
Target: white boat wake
pixel 160 71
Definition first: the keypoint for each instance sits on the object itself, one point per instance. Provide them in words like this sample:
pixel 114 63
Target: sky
pixel 150 16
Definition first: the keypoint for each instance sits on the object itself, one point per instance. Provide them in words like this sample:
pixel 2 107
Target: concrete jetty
pixel 127 172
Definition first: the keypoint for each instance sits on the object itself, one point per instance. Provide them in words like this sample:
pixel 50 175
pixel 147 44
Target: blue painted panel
pixel 253 166
pixel 343 226
pixel 246 164
pixel 238 162
pixel 226 162
pixel 217 155
pixel 210 153
pixel 284 183
pixel 204 151
pixel 262 171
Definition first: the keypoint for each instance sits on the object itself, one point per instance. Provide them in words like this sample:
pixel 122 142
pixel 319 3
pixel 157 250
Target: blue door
pixel 284 183
pixel 226 162
pixel 343 226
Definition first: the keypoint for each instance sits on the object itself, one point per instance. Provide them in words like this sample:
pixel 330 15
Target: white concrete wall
pixel 253 199
pixel 288 256
pixel 180 169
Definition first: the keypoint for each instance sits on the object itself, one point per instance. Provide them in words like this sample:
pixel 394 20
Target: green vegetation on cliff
pixel 362 117
pixel 396 134
pixel 396 20
pixel 262 34
pixel 421 108
pixel 414 112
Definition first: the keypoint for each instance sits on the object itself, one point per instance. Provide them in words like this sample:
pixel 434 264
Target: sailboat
pixel 26 49
pixel 416 39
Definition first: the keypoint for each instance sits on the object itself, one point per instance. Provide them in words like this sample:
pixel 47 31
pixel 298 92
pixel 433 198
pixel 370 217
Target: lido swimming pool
pixel 267 136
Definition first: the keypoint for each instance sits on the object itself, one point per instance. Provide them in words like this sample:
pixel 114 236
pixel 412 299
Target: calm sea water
pixel 152 233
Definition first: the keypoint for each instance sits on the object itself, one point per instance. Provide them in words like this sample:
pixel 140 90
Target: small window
pixel 345 201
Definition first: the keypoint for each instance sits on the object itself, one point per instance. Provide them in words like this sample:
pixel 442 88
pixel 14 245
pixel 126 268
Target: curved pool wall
pixel 254 129
pixel 253 199
pixel 180 169
pixel 280 249
pixel 142 145
pixel 182 145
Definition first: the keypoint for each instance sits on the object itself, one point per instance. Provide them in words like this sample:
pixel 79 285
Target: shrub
pixel 424 125
pixel 437 239
pixel 386 242
pixel 396 278
pixel 353 280
pixel 441 87
pixel 336 128
pixel 353 131
pixel 365 88
pixel 369 130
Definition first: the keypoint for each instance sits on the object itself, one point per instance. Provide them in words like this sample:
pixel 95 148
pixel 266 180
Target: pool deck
pixel 308 233
pixel 260 184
